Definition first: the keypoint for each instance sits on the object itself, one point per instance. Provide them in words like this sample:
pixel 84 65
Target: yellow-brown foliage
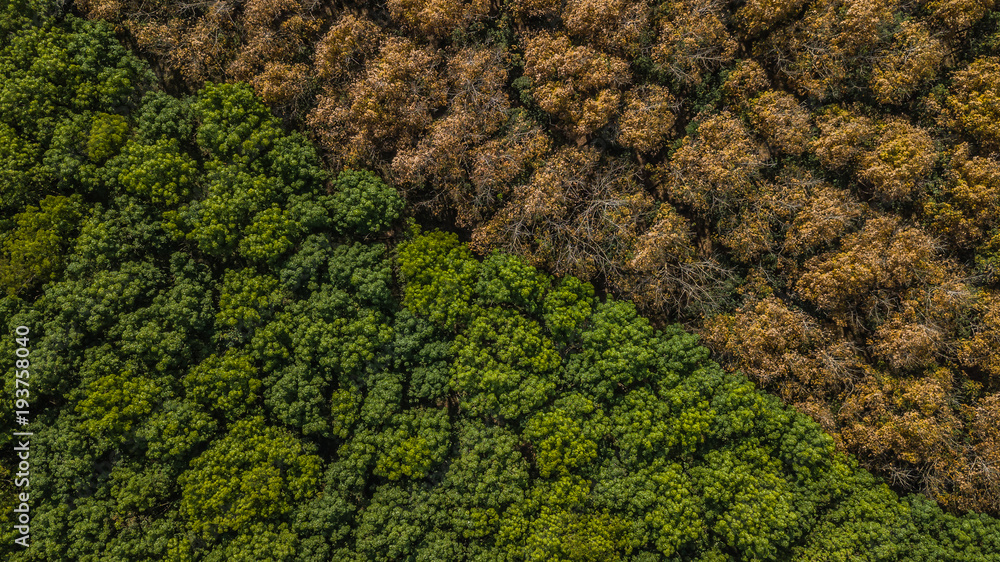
pixel 904 425
pixel 477 109
pixel 758 16
pixel 750 234
pixel 227 39
pixel 923 330
pixel 438 18
pixel 577 85
pixel 784 350
pixel 676 287
pixel 807 212
pixel 283 85
pixel 111 10
pixel 782 120
pixel 199 50
pixel 978 481
pixel 715 169
pixel 273 31
pixel 646 123
pixel 979 351
pixel 349 43
pixel 817 53
pixel 497 164
pixel 969 207
pixel 614 25
pixel 693 39
pixel 975 100
pixel 668 240
pixel 524 9
pixel 899 162
pixel 746 80
pixel 822 213
pixel 857 281
pixel 794 216
pixel 914 59
pixel 577 214
pixel 959 15
pixel 843 135
pixel 907 345
pixel 386 108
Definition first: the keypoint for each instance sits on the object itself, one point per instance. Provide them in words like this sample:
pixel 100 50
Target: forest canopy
pixel 245 346
pixel 826 163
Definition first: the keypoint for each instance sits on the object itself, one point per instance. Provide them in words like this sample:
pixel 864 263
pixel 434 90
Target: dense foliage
pixel 237 355
pixel 812 184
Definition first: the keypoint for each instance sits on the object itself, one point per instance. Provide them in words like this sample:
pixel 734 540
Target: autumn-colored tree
pixel 913 59
pixel 978 350
pixel 714 169
pixel 577 85
pixel 759 16
pixel 899 162
pixel 967 210
pixel 923 330
pixel 384 109
pixel 576 214
pixel 821 52
pixel 350 42
pixel 438 18
pixel 666 272
pixel 273 32
pixel 843 135
pixel 859 280
pixel 786 350
pixel 957 16
pixel 645 124
pixel 259 41
pixel 617 26
pixel 782 121
pixel 906 420
pixel 752 231
pixel 522 11
pixel 498 165
pixel 445 156
pixel 794 215
pixel 893 157
pixel 975 98
pixel 979 475
pixel 668 239
pixel 822 213
pixel 198 49
pixel 747 79
pixel 692 40
pixel 283 86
